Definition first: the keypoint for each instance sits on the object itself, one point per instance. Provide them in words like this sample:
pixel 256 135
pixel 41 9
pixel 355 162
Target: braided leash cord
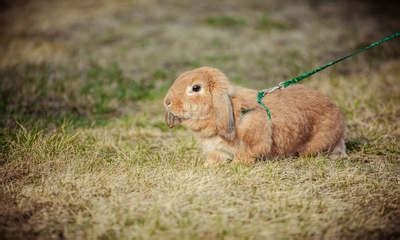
pixel 297 79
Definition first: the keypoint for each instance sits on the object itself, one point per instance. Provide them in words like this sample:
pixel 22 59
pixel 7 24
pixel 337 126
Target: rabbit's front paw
pixel 244 158
pixel 215 158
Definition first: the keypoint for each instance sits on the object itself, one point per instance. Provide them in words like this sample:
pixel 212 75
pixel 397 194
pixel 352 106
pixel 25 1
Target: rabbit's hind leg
pixel 339 151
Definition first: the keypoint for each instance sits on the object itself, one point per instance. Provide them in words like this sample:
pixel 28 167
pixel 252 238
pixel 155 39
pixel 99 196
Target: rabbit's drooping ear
pixel 220 88
pixel 224 118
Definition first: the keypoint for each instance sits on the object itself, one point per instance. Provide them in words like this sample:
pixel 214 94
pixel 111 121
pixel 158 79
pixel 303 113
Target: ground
pixel 85 153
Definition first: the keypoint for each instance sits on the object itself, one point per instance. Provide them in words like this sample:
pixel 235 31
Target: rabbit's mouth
pixel 172 120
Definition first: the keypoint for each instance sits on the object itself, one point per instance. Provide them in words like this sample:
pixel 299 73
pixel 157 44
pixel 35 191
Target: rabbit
pixel 232 126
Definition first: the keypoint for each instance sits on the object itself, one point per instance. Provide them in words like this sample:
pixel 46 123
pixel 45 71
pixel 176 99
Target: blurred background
pixel 97 59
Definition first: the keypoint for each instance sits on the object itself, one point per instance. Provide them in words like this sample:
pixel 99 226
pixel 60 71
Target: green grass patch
pixel 225 21
pixel 104 85
pixel 265 22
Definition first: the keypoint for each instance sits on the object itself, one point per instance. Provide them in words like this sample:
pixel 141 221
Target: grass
pixel 266 23
pixel 85 152
pixel 225 21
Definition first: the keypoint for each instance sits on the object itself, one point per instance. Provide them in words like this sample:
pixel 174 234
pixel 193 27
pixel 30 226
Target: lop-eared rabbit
pixel 231 125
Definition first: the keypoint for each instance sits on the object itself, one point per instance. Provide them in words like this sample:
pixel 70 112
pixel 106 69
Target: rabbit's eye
pixel 196 88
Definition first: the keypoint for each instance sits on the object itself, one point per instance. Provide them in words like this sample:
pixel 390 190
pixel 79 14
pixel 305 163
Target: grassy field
pixel 85 152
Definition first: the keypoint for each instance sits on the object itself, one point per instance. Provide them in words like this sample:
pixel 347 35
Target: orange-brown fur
pixel 304 121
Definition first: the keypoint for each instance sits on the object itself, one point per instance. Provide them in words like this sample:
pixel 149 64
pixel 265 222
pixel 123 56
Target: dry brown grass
pixel 85 153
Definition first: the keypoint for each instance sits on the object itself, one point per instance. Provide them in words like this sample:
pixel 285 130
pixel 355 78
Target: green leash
pixel 297 79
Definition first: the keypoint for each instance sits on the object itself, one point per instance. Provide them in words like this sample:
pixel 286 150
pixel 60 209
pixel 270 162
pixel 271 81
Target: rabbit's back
pixel 304 121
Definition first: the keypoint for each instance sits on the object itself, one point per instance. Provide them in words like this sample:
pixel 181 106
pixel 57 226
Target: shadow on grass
pixel 55 94
pixel 356 144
